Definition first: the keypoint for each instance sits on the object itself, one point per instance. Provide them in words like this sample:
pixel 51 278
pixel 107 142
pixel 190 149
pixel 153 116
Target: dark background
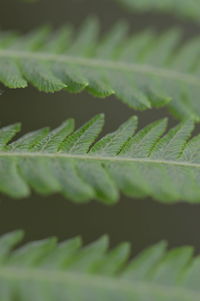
pixel 143 222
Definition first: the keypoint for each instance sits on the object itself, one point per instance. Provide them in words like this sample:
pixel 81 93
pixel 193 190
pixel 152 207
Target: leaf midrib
pixel 96 158
pixel 96 281
pixel 103 64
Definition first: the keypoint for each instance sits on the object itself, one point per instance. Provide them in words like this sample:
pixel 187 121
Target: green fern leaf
pixel 144 71
pixel 181 8
pixel 45 270
pixel 147 163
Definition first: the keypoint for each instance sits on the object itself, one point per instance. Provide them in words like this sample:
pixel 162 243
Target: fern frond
pixel 138 164
pixel 144 71
pixel 181 8
pixel 44 270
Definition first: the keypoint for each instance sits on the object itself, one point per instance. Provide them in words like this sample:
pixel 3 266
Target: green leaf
pixel 180 8
pixel 45 270
pixel 149 162
pixel 143 71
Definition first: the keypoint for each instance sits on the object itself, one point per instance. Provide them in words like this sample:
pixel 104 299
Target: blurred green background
pixel 142 222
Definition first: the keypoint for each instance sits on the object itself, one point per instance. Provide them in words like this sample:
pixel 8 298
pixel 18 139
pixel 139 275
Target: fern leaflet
pixel 44 270
pixel 138 164
pixel 144 71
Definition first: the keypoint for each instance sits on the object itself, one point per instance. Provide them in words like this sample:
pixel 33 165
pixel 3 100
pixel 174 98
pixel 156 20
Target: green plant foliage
pixel 144 71
pixel 45 270
pixel 182 8
pixel 140 164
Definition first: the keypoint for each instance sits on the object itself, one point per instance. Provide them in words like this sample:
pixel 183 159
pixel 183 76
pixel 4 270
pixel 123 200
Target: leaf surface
pixel 45 270
pixel 149 162
pixel 143 71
